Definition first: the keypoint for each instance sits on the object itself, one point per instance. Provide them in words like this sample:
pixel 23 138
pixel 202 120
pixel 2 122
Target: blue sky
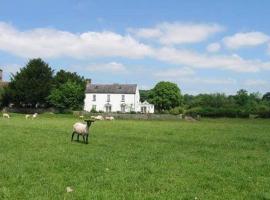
pixel 204 46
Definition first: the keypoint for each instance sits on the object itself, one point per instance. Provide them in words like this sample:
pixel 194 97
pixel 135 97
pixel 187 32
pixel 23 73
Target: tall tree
pixel 266 97
pixel 242 97
pixel 32 84
pixel 165 96
pixel 63 77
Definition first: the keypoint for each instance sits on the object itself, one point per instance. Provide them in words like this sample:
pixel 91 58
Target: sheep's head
pixel 89 122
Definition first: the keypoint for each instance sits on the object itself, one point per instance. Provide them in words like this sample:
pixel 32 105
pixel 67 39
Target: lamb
pixel 34 116
pixel 109 118
pixel 82 129
pixel 27 116
pixel 5 115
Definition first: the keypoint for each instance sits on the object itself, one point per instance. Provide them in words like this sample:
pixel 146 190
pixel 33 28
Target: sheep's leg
pixel 72 136
pixel 83 138
pixel 86 139
pixel 78 137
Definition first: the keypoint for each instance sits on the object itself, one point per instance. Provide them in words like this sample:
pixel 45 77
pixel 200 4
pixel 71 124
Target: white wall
pixel 131 101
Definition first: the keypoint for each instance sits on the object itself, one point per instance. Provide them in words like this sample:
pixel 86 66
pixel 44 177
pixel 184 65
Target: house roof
pixel 111 88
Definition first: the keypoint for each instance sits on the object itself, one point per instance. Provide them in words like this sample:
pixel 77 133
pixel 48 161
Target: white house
pixel 115 98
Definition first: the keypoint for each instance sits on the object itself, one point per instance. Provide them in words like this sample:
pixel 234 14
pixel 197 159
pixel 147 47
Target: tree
pixel 63 77
pixel 144 95
pixel 266 97
pixel 32 84
pixel 69 95
pixel 242 97
pixel 165 96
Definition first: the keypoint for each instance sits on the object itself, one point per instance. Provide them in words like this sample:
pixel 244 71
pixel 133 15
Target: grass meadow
pixel 209 159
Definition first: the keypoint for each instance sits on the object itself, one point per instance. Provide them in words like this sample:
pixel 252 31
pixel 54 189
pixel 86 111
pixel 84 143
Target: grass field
pixel 210 159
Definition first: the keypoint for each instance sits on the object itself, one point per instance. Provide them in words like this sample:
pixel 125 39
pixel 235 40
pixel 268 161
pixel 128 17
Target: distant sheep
pixel 5 115
pixel 109 118
pixel 82 129
pixel 27 116
pixel 99 117
pixel 34 116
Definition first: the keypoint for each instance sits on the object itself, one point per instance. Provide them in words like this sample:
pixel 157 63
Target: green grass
pixel 210 159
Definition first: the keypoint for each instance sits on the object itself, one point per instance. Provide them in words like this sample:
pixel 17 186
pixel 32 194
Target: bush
pixel 176 111
pixel 217 112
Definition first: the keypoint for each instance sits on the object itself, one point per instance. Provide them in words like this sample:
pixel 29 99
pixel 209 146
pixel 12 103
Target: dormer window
pixel 94 97
pixel 123 98
pixel 108 98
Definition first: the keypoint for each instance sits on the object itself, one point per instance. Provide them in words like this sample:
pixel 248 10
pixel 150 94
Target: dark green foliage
pixel 176 111
pixel 31 85
pixel 144 95
pixel 266 97
pixel 63 77
pixel 165 96
pixel 69 95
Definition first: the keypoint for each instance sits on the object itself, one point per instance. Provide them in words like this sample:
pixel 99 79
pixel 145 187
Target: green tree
pixel 242 97
pixel 63 77
pixel 165 96
pixel 69 95
pixel 266 97
pixel 144 95
pixel 32 84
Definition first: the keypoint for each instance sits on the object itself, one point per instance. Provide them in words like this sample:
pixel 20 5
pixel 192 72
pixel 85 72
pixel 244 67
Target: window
pixel 94 97
pixel 123 108
pixel 123 98
pixel 108 108
pixel 108 98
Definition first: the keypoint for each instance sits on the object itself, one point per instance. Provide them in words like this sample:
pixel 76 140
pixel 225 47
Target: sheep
pixel 34 116
pixel 82 129
pixel 5 115
pixel 27 116
pixel 109 118
pixel 99 117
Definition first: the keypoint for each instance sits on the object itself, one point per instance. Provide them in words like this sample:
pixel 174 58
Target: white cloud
pixel 254 82
pixel 248 39
pixel 213 47
pixel 178 33
pixel 204 61
pixel 46 42
pixel 112 67
pixel 174 73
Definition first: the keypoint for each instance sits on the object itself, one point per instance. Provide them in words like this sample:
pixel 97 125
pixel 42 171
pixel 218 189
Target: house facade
pixel 113 98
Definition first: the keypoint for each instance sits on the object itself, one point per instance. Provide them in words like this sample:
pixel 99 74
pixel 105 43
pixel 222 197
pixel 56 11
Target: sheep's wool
pixel 80 128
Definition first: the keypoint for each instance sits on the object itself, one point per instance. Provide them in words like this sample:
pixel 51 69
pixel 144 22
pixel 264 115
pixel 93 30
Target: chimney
pixel 1 75
pixel 88 82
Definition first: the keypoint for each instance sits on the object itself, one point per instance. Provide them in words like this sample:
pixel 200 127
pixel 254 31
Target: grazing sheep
pixel 27 116
pixel 190 119
pixel 82 129
pixel 99 117
pixel 5 115
pixel 109 118
pixel 34 116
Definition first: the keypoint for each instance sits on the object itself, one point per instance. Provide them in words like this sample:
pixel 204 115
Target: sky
pixel 203 46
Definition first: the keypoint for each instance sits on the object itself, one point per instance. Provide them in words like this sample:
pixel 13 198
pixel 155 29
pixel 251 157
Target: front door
pixel 143 109
pixel 108 108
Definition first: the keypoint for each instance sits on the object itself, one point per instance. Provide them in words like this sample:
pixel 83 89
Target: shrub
pixel 176 111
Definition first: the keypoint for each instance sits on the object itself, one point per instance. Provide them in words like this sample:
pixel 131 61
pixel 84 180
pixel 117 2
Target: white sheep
pixel 34 116
pixel 82 129
pixel 109 118
pixel 99 117
pixel 27 116
pixel 5 115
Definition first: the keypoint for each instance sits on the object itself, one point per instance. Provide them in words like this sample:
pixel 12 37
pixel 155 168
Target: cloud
pixel 204 61
pixel 248 39
pixel 178 33
pixel 49 43
pixel 174 73
pixel 213 47
pixel 112 67
pixel 255 82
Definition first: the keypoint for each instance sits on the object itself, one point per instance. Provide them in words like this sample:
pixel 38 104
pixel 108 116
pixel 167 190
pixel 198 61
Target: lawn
pixel 210 159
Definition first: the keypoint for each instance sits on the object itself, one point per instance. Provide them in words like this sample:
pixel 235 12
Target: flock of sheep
pixel 79 128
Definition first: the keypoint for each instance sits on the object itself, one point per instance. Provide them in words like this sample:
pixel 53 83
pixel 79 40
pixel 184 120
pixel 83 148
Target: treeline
pixel 36 86
pixel 167 98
